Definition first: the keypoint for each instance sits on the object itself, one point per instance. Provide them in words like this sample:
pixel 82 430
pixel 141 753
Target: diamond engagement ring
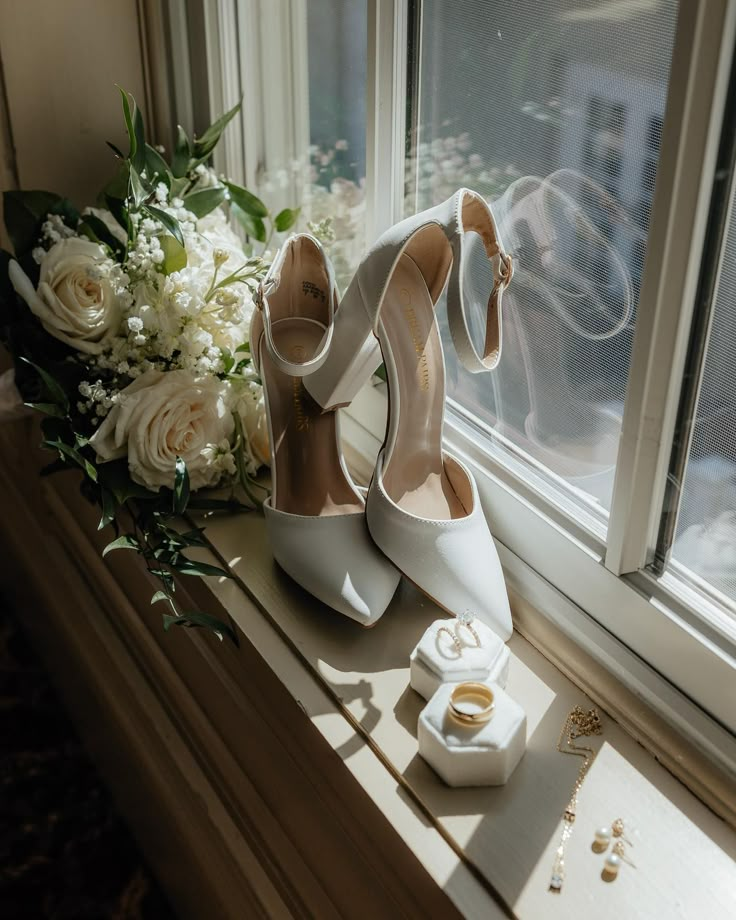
pixel 462 620
pixel 465 620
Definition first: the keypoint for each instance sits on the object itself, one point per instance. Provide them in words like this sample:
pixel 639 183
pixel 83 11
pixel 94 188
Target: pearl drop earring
pixel 602 838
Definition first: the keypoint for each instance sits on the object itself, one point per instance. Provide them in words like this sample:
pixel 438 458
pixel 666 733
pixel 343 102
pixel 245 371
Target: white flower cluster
pixel 167 320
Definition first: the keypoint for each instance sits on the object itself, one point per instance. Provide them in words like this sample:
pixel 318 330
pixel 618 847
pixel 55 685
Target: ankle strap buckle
pixel 505 273
pixel 264 286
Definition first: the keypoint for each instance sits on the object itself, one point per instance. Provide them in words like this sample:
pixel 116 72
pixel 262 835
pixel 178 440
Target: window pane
pixel 554 113
pixel 337 43
pixel 705 541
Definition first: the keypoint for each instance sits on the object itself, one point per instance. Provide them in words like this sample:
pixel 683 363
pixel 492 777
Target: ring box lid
pixel 440 655
pixel 494 735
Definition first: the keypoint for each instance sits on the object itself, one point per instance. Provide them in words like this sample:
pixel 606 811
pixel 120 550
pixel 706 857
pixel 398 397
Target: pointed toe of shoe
pixel 334 559
pixel 454 562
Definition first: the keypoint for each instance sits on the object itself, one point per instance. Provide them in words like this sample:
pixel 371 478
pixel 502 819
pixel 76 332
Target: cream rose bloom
pixel 165 415
pixel 76 300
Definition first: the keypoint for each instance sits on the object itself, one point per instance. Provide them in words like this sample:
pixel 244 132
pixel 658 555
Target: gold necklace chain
pixel 578 724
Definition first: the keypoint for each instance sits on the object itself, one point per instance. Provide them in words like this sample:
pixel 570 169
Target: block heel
pixel 355 355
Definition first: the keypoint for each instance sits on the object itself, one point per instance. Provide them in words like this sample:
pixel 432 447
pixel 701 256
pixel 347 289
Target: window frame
pixel 677 655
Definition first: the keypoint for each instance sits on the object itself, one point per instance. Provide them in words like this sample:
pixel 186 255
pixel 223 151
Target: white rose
pixel 76 300
pixel 165 415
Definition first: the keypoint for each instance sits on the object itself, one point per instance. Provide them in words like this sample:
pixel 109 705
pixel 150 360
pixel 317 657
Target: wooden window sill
pixel 489 851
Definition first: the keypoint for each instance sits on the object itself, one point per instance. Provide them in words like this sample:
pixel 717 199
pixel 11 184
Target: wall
pixel 60 63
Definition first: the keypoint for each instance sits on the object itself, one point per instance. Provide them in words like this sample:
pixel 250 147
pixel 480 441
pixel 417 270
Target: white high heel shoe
pixel 315 516
pixel 423 509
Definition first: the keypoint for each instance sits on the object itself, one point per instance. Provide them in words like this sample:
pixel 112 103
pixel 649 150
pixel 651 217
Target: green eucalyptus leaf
pixel 139 160
pixel 26 211
pixel 129 124
pixel 109 508
pixel 137 192
pixel 286 219
pixel 204 145
pixel 53 387
pixel 246 200
pixel 157 169
pixel 182 154
pixel 171 224
pixel 175 255
pixel 203 620
pixel 190 567
pixel 181 487
pixel 98 231
pixel 116 150
pixel 47 409
pixel 125 542
pixel 254 226
pixel 204 201
pixel 115 476
pixel 73 454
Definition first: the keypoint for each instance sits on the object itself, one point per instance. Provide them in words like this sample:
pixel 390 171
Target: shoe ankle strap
pixel 473 214
pixel 267 286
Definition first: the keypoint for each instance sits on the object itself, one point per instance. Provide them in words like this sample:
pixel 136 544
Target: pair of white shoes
pixel 422 515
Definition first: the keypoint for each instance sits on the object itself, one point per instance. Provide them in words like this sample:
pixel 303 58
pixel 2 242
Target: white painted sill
pixel 482 844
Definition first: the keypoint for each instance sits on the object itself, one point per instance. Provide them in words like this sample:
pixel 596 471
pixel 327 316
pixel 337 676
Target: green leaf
pixel 182 154
pixel 74 455
pixel 246 200
pixel 175 255
pixel 181 487
pixel 171 224
pixel 115 476
pixel 204 201
pixel 137 192
pixel 202 620
pixel 116 150
pixel 178 187
pixel 124 542
pixel 139 160
pixel 109 508
pixel 53 387
pixel 160 596
pixel 254 226
pixel 204 145
pixel 47 409
pixel 244 347
pixel 190 567
pixel 98 231
pixel 129 124
pixel 286 219
pixel 24 213
pixel 156 167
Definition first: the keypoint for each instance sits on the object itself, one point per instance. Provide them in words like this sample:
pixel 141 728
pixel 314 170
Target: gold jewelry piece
pixel 473 694
pixel 618 854
pixel 465 619
pixel 457 643
pixel 603 836
pixel 578 724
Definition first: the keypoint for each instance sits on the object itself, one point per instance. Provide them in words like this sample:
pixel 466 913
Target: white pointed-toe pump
pixel 315 516
pixel 423 508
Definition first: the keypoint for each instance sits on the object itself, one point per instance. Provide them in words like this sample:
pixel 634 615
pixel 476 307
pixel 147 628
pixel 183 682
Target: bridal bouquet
pixel 128 326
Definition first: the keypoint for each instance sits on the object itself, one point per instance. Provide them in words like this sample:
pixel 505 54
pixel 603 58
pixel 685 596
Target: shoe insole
pixel 306 471
pixel 414 475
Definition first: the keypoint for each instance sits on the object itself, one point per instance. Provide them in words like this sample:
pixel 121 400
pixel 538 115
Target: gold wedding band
pixel 471 703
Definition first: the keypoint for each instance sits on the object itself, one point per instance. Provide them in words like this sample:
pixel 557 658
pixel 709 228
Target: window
pixel 605 443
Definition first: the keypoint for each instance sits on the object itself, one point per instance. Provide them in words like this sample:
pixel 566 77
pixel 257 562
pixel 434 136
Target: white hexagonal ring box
pixel 438 659
pixel 468 755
